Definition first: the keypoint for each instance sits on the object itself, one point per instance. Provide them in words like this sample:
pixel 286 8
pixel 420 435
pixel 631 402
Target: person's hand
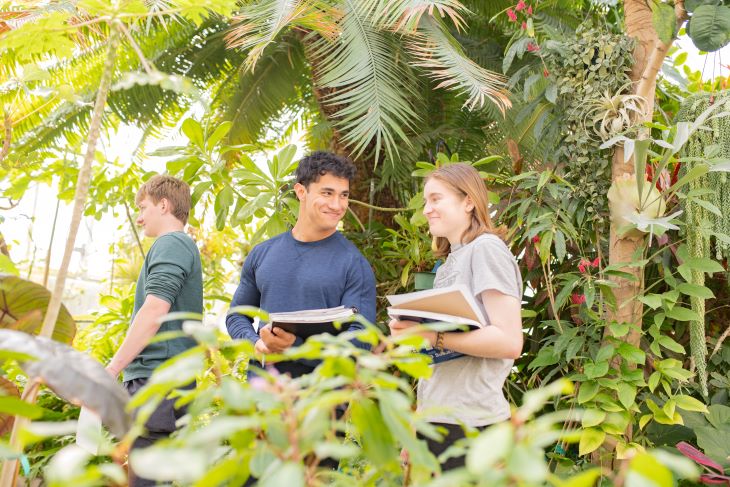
pixel 112 371
pixel 407 327
pixel 276 340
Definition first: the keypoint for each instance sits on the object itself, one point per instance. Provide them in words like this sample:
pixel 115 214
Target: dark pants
pixel 160 425
pixel 454 432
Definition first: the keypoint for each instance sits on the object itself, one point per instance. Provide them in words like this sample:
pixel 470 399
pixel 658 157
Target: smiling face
pixel 449 213
pixel 323 203
pixel 152 216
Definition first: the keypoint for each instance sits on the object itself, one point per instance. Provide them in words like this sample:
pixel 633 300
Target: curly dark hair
pixel 319 163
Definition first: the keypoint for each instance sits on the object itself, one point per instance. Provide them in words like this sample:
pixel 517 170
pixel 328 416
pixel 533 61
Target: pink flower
pixel 596 262
pixel 512 16
pixel 524 25
pixel 583 265
pixel 577 298
pixel 529 10
pixel 532 47
pixel 520 5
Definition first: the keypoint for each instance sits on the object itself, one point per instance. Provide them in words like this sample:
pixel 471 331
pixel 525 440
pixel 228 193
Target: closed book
pixel 452 304
pixel 305 323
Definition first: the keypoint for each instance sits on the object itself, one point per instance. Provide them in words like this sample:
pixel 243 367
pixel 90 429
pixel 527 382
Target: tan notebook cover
pixel 451 300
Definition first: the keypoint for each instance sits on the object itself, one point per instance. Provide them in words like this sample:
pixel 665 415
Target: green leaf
pixel 669 343
pixel 15 406
pixel 489 448
pixel 709 27
pixel 664 22
pixel 590 440
pixel 23 304
pixel 587 391
pixel 166 464
pixel 560 246
pixel 193 131
pixel 695 290
pixel 594 370
pixel 289 474
pixel 703 264
pixel 654 379
pixel 653 301
pixel 632 354
pixel 683 314
pixel 7 266
pixel 592 417
pixel 551 93
pixel 626 394
pixel 81 380
pixel 689 403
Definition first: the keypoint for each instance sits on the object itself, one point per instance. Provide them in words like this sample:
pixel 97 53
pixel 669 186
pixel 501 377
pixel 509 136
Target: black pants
pixel 454 432
pixel 160 425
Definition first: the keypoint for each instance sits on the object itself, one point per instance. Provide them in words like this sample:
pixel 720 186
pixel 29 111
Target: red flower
pixel 583 265
pixel 512 16
pixel 596 262
pixel 532 47
pixel 520 5
pixel 529 10
pixel 545 72
pixel 536 239
pixel 675 173
pixel 577 298
pixel 524 25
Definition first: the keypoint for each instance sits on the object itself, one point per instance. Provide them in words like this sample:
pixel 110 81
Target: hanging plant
pixel 708 215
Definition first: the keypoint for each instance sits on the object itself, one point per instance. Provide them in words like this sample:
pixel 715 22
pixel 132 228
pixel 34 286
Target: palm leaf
pixel 251 99
pixel 405 15
pixel 371 91
pixel 439 53
pixel 261 23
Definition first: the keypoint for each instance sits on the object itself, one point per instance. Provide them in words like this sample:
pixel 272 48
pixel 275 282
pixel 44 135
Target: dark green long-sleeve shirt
pixel 172 272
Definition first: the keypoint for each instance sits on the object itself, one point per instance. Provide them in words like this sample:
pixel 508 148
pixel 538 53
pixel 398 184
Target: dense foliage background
pixel 606 155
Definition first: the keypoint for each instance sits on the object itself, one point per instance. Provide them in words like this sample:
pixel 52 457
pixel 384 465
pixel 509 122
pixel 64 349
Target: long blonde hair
pixel 464 180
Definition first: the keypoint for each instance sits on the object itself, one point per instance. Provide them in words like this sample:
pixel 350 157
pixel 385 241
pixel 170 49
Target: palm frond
pixel 439 53
pixel 252 98
pixel 371 93
pixel 405 15
pixel 259 24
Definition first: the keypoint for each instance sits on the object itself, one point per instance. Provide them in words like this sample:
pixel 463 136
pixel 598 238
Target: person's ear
pixel 164 205
pixel 469 205
pixel 300 191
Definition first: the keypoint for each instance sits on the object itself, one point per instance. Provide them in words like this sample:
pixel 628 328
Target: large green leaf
pixel 74 376
pixel 709 27
pixel 23 304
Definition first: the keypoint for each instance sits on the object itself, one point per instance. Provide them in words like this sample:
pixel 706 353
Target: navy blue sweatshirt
pixel 284 274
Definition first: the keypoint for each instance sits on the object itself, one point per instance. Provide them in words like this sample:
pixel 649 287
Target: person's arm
pixel 360 293
pixel 241 326
pixel 141 331
pixel 169 264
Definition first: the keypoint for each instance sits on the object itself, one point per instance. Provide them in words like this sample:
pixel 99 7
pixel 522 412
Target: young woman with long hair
pixel 468 389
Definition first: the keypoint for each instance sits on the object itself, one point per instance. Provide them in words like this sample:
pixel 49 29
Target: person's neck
pixel 456 237
pixel 170 227
pixel 303 232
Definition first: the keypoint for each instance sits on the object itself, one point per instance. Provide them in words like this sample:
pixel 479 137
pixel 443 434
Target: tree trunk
pixel 10 468
pixel 649 55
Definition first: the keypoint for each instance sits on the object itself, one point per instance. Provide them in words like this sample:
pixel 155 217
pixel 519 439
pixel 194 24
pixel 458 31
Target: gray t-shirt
pixel 471 387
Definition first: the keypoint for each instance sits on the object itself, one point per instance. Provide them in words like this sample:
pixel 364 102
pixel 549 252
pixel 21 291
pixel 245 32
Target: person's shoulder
pixel 347 246
pixel 262 248
pixel 174 242
pixel 491 243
